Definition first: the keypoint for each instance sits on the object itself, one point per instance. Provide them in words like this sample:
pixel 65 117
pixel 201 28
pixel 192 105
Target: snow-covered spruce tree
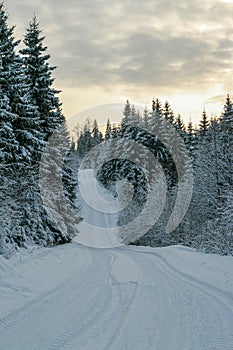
pixel 217 230
pixel 30 226
pixel 126 113
pixel 170 141
pixel 97 135
pixel 58 188
pixel 223 146
pixel 19 119
pixel 168 112
pixel 203 213
pixel 85 140
pixel 81 146
pixel 204 124
pixel 225 225
pixel 226 138
pixel 115 131
pixel 9 147
pixel 190 139
pixel 8 157
pixel 39 79
pixel 203 193
pixel 108 131
pixel 146 117
pixel 180 126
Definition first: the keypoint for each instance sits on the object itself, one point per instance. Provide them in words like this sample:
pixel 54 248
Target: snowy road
pixel 99 227
pixel 137 298
pixel 75 297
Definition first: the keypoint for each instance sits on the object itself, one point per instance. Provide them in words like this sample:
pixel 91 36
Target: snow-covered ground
pixel 99 210
pixel 78 297
pixel 84 298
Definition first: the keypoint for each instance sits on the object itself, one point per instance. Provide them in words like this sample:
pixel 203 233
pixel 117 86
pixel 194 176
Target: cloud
pixel 217 99
pixel 162 44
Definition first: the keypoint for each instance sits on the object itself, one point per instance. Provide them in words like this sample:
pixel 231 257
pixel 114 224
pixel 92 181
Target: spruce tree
pixel 190 139
pixel 204 124
pixel 168 113
pixel 157 107
pixel 97 136
pixel 40 80
pixel 127 110
pixel 108 131
pixel 226 137
pixel 146 117
pixel 129 113
pixel 115 131
pixel 180 126
pixel 17 123
pixel 9 147
pixel 225 146
pixel 48 118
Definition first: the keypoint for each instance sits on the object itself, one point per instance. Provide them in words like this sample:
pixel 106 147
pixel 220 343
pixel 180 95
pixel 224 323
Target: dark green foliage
pixel 38 74
pixel 108 131
pixel 30 112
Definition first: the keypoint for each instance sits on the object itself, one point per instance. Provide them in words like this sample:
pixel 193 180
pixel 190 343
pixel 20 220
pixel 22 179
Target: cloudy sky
pixel 110 50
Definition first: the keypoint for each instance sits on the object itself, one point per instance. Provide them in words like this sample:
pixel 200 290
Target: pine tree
pixel 9 147
pixel 146 117
pixel 47 118
pixel 227 111
pixel 8 157
pixel 226 137
pixel 225 140
pixel 127 110
pixel 204 124
pixel 108 131
pixel 58 187
pixel 39 77
pixel 153 105
pixel 190 132
pixel 115 131
pixel 168 113
pixel 180 126
pixel 135 115
pixel 157 110
pixel 18 139
pixel 190 139
pixel 96 134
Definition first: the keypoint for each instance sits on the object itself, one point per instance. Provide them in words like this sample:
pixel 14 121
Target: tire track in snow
pixel 113 309
pixel 89 314
pixel 93 312
pixel 144 313
pixel 123 311
pixel 199 283
pixel 222 336
pixel 182 312
pixel 8 322
pixel 221 303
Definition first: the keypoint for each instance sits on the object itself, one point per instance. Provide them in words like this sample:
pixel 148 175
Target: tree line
pixel 30 112
pixel 208 223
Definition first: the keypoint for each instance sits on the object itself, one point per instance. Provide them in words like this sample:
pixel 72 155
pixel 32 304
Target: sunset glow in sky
pixel 108 51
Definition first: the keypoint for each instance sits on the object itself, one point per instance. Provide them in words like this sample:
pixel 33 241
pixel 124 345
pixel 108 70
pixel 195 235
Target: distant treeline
pixel 208 223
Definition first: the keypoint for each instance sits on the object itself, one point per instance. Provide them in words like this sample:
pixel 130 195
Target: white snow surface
pixel 78 297
pixel 100 213
pixel 118 298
